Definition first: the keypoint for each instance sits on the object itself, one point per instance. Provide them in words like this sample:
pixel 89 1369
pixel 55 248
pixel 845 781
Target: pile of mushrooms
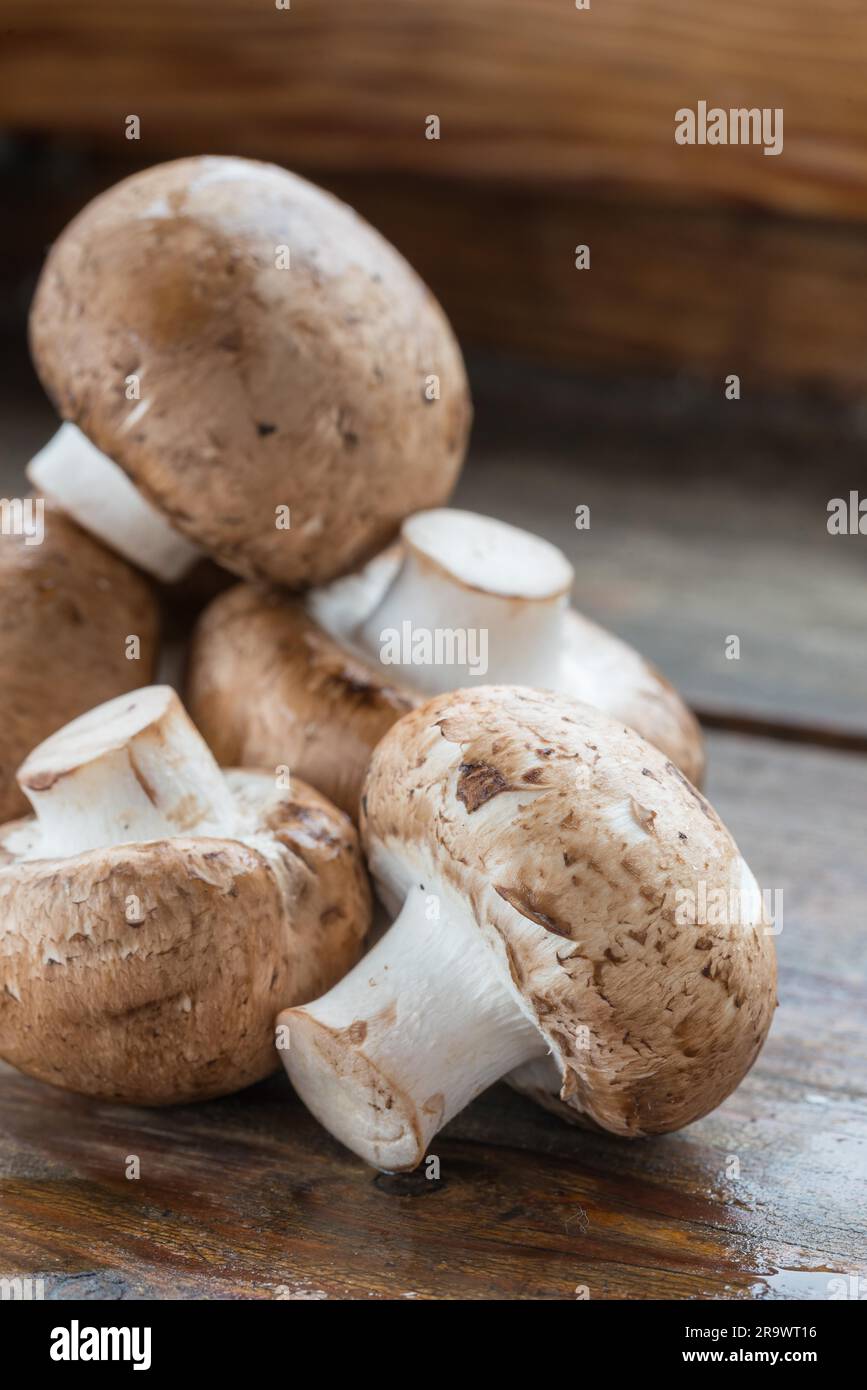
pixel 247 372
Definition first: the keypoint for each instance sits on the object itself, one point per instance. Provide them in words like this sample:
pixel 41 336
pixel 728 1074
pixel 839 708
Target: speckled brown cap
pixel 578 849
pixel 67 608
pixel 176 1001
pixel 287 355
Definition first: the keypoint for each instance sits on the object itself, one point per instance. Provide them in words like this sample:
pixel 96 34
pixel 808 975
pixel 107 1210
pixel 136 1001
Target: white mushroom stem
pixel 131 770
pixel 421 1026
pixel 95 492
pixel 470 598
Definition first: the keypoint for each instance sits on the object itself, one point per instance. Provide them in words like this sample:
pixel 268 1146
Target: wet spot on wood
pixel 414 1184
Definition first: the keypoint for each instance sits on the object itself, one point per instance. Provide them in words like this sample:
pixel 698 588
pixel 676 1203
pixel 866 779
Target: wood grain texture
pixel 543 94
pixel 249 1197
pixel 671 287
pixel 710 291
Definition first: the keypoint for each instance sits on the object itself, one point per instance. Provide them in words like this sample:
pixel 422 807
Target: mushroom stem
pixel 473 598
pixel 131 770
pixel 92 489
pixel 420 1027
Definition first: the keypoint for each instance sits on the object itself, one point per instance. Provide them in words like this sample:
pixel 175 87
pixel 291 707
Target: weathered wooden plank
pixel 264 1199
pixel 248 1196
pixel 553 96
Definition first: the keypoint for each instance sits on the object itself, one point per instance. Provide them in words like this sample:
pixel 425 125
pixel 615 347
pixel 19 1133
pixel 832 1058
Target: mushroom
pixel 460 598
pixel 156 913
pixel 70 612
pixel 547 869
pixel 246 365
pixel 267 685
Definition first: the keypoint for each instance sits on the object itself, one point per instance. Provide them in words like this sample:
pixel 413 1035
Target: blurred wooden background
pixel 557 129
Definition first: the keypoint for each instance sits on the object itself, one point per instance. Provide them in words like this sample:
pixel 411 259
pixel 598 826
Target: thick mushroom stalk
pixel 132 770
pixel 420 1027
pixel 552 874
pixel 470 597
pixel 92 489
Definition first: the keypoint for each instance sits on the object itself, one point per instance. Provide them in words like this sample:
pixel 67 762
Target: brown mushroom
pixel 156 913
pixel 70 612
pixel 267 685
pixel 460 597
pixel 278 384
pixel 550 875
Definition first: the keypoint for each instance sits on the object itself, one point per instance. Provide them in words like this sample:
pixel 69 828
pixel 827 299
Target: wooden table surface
pixel 706 521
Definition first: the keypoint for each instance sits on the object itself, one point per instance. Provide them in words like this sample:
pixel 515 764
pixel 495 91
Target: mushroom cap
pixel 67 607
pixel 574 843
pixel 261 387
pixel 179 1004
pixel 266 686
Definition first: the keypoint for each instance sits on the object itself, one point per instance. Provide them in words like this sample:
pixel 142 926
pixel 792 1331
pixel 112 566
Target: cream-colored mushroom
pixel 155 913
pixel 462 598
pixel 247 367
pixel 547 870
